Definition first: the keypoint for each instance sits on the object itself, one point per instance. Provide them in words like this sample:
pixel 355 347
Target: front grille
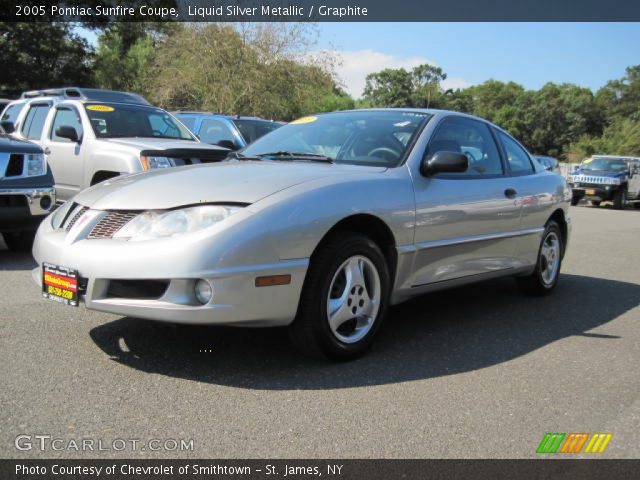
pixel 74 218
pixel 15 165
pixel 137 289
pixel 596 180
pixel 111 223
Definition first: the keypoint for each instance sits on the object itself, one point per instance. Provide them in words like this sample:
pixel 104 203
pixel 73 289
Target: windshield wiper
pixel 238 156
pixel 285 155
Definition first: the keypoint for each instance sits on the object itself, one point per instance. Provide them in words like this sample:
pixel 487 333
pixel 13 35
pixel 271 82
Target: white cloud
pixel 354 66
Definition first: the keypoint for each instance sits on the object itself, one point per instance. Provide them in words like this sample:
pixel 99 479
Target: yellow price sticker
pixel 100 108
pixel 304 120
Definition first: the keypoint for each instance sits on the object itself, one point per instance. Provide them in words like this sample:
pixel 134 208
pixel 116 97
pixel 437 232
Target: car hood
pixel 227 182
pixel 599 173
pixel 12 145
pixel 145 143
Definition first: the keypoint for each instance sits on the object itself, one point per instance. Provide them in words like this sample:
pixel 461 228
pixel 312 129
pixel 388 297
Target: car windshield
pixel 611 164
pixel 116 120
pixel 371 137
pixel 252 129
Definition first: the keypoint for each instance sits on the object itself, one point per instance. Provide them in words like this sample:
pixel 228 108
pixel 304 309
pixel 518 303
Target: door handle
pixel 47 151
pixel 510 193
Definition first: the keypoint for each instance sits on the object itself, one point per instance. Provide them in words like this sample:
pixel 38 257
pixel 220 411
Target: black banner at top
pixel 96 11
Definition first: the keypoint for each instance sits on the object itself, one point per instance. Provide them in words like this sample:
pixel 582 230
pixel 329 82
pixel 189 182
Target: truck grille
pixel 15 165
pixel 594 180
pixel 111 223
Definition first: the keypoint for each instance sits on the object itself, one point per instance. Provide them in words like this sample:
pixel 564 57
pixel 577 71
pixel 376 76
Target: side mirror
pixel 444 162
pixel 227 144
pixel 8 126
pixel 67 131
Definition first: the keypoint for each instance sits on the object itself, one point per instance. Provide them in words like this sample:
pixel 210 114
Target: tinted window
pixel 34 121
pixel 517 157
pixel 358 138
pixel 68 117
pixel 11 113
pixel 214 131
pixel 471 137
pixel 254 129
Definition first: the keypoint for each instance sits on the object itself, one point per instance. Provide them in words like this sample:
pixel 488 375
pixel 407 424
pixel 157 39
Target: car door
pixel 465 222
pixel 64 156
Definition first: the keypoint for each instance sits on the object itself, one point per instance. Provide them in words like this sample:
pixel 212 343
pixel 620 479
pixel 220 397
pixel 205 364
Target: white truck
pixel 91 135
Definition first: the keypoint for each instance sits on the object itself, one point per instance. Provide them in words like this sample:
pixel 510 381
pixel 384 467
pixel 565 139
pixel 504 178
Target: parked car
pixel 319 225
pixel 26 191
pixel 90 135
pixel 606 178
pixel 233 132
pixel 549 163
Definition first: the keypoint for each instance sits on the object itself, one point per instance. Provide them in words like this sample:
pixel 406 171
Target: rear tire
pixel 596 203
pixel 344 298
pixel 545 277
pixel 19 241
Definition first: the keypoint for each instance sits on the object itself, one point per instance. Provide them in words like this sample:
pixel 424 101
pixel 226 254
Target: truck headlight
pixel 151 162
pixel 34 165
pixel 151 225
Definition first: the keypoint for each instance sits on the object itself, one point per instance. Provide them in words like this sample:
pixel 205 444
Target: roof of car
pixel 222 115
pixel 87 95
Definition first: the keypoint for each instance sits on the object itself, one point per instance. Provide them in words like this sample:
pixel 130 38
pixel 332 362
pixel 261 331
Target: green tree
pixel 622 137
pixel 38 55
pixel 622 97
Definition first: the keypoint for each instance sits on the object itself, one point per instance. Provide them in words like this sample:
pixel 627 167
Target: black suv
pixel 26 191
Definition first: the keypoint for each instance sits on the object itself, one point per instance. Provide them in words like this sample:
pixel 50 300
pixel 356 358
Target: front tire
pixel 574 201
pixel 619 198
pixel 344 298
pixel 19 241
pixel 545 277
pixel 596 203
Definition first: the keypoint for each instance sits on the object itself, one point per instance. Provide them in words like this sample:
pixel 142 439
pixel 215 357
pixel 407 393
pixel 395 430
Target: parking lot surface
pixel 479 371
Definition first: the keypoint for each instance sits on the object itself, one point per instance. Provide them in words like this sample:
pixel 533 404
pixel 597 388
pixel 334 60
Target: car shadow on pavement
pixel 14 260
pixel 438 334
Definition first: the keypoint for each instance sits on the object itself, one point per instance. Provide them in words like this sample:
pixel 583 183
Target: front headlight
pixel 34 165
pixel 158 224
pixel 151 163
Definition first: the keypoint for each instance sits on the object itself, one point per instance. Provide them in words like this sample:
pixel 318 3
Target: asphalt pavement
pixel 479 371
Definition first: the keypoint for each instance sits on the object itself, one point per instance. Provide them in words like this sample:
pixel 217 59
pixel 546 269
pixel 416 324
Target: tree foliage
pixel 397 87
pixel 37 55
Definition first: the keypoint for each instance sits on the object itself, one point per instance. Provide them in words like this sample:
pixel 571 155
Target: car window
pixel 517 157
pixel 123 120
pixel 369 137
pixel 34 121
pixel 188 122
pixel 471 137
pixel 11 113
pixel 253 129
pixel 214 131
pixel 65 116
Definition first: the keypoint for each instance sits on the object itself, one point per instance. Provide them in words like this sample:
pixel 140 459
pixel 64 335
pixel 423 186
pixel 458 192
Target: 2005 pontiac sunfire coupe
pixel 319 225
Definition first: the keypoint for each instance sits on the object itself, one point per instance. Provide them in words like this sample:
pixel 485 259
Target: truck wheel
pixel 619 199
pixel 344 299
pixel 545 277
pixel 574 201
pixel 596 203
pixel 19 241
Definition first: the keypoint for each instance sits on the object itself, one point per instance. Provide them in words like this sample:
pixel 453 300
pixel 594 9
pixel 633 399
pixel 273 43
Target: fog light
pixel 45 202
pixel 203 291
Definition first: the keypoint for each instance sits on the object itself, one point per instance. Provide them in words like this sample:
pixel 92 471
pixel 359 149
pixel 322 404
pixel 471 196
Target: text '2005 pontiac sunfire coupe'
pixel 319 225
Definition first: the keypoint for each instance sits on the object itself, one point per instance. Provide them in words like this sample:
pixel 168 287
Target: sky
pixel 532 54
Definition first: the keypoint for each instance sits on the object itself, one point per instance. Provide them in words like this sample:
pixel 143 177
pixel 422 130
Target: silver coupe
pixel 319 225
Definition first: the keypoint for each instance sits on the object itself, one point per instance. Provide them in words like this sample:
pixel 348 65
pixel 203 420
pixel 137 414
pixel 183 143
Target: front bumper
pixel 103 263
pixel 24 208
pixel 595 192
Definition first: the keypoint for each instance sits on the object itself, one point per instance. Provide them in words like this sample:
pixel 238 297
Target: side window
pixel 214 131
pixel 471 137
pixel 11 112
pixel 518 158
pixel 34 121
pixel 65 116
